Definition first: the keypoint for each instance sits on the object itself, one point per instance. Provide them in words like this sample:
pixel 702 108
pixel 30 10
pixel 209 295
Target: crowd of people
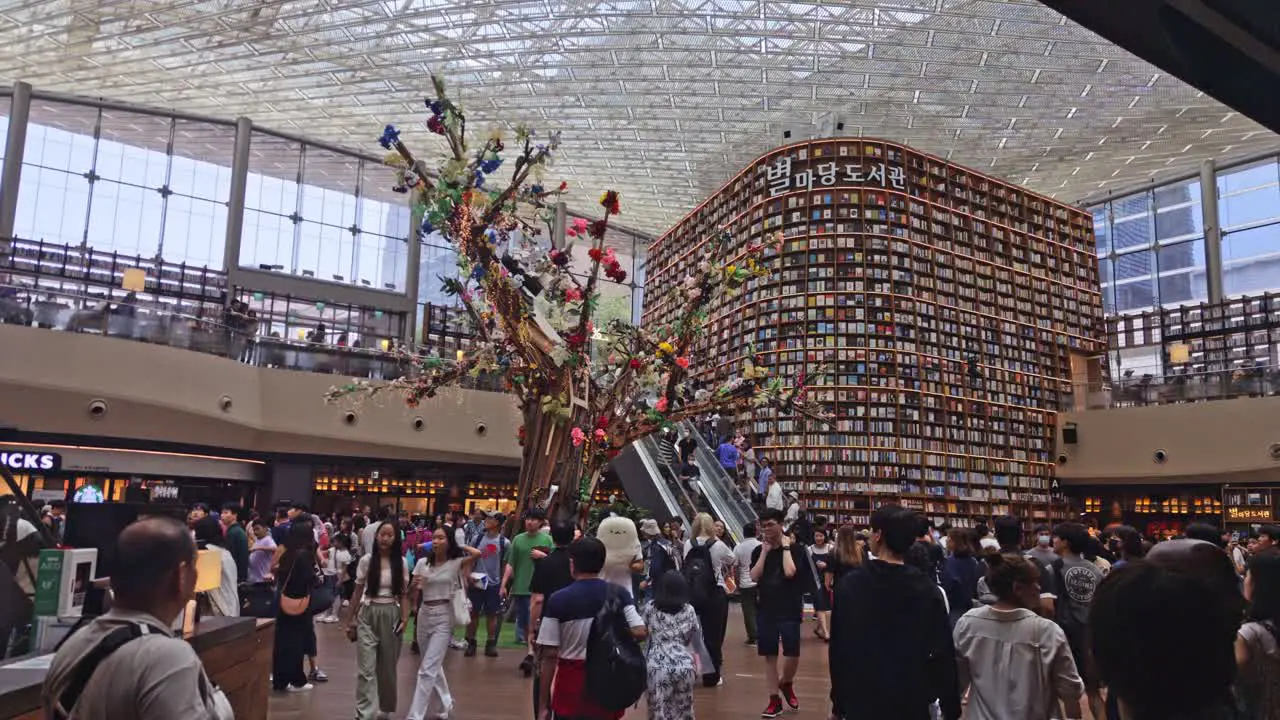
pixel 919 621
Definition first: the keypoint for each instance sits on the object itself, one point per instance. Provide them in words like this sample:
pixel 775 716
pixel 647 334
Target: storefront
pixel 433 489
pixel 86 473
pixel 1246 509
pixel 1157 512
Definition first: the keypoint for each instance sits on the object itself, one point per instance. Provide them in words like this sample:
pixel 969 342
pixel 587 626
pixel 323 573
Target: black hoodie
pixel 891 652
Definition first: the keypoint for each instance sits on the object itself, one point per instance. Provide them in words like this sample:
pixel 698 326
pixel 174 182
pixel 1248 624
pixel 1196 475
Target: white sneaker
pixel 303 688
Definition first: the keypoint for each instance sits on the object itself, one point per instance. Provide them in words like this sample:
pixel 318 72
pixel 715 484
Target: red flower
pixel 602 422
pixel 435 125
pixel 635 364
pixel 597 229
pixel 595 254
pixel 683 362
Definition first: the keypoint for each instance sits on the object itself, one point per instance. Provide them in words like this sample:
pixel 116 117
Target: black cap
pixel 534 513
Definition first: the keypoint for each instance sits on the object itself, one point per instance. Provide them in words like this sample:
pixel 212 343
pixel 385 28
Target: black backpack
pixel 700 574
pixel 616 671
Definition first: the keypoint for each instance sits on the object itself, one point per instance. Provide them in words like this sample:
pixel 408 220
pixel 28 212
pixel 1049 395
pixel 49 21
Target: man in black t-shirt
pixel 781 584
pixel 550 575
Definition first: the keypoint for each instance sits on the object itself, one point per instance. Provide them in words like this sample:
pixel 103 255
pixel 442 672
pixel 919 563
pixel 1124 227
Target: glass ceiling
pixel 663 100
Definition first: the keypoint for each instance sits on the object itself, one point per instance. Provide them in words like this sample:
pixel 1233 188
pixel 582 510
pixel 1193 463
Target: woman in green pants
pixel 380 612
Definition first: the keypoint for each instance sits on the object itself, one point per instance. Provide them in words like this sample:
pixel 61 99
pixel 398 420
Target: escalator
pixel 651 484
pixel 727 501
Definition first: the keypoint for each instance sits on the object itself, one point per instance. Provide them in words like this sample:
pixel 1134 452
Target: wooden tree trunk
pixel 549 458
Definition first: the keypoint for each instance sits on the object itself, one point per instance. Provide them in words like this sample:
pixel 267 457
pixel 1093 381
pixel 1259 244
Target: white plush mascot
pixel 622 550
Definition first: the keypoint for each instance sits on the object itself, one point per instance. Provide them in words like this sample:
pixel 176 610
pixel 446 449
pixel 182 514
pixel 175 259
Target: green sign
pixel 48 582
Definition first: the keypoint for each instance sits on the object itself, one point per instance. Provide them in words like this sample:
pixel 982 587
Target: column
pixel 412 277
pixel 19 112
pixel 235 203
pixel 1212 230
pixel 560 225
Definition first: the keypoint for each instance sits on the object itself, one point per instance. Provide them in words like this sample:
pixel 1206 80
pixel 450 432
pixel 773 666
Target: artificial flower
pixel 578 436
pixel 390 137
pixel 602 421
pixel 665 348
pixel 661 404
pixel 572 294
pixel 634 363
pixel 595 254
pixel 600 434
pixel 579 225
pixel 597 229
pixel 683 362
pixel 609 201
pixel 435 125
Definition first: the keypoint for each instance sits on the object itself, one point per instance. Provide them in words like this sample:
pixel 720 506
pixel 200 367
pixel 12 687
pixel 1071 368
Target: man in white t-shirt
pixel 747 591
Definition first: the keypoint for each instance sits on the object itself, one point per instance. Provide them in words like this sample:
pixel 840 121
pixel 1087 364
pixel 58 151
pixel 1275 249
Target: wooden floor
pixel 492 688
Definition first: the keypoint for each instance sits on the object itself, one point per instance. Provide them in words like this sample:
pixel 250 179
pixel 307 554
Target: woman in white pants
pixel 438 574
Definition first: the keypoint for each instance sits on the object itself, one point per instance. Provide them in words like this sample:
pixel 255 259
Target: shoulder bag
pixel 460 604
pixel 291 605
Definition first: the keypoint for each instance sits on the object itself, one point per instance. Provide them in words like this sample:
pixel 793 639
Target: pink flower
pixel 661 405
pixel 578 436
pixel 572 294
pixel 683 362
pixel 579 225
pixel 600 435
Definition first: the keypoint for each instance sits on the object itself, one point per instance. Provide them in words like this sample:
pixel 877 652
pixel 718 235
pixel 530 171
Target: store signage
pixel 164 492
pixel 819 175
pixel 1249 514
pixel 18 460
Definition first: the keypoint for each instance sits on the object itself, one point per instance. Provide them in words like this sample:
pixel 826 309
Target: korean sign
pixel 781 178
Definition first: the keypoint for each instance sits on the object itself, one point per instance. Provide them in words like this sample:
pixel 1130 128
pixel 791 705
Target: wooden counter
pixel 236 653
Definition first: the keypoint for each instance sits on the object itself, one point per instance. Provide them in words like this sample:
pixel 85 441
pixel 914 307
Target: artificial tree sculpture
pixel 584 391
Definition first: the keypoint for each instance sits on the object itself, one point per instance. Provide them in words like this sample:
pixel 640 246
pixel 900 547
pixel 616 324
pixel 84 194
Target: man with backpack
pixel 591 669
pixel 659 556
pixel 128 663
pixel 707 561
pixel 486 600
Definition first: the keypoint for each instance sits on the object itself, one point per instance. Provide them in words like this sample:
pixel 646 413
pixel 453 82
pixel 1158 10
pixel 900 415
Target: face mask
pixel 1044 539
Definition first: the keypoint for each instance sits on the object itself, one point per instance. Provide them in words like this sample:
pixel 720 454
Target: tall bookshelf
pixel 941 307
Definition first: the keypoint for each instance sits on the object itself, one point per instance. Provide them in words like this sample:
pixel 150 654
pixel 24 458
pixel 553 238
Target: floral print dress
pixel 673 641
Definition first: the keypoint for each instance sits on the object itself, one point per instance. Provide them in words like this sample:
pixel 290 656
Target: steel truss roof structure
pixel 662 100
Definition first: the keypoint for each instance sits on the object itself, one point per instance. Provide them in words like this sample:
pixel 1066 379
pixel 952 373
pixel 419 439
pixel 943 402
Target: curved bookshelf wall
pixel 941 306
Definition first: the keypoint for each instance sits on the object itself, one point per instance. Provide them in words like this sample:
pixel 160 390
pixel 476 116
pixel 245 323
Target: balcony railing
pixel 226 335
pixel 1257 381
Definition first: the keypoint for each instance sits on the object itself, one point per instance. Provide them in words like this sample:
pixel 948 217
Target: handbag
pixel 460 604
pixel 291 605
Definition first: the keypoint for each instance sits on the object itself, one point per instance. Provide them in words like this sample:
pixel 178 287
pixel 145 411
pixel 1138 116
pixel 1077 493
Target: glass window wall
pixel 1249 202
pixel 141 185
pixel 322 214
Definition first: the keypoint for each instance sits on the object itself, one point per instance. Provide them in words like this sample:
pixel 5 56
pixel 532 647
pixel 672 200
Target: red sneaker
pixel 789 692
pixel 774 709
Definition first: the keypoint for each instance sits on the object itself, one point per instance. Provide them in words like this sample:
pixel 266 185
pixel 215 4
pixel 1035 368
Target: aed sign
pixel 18 460
pixel 1249 513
